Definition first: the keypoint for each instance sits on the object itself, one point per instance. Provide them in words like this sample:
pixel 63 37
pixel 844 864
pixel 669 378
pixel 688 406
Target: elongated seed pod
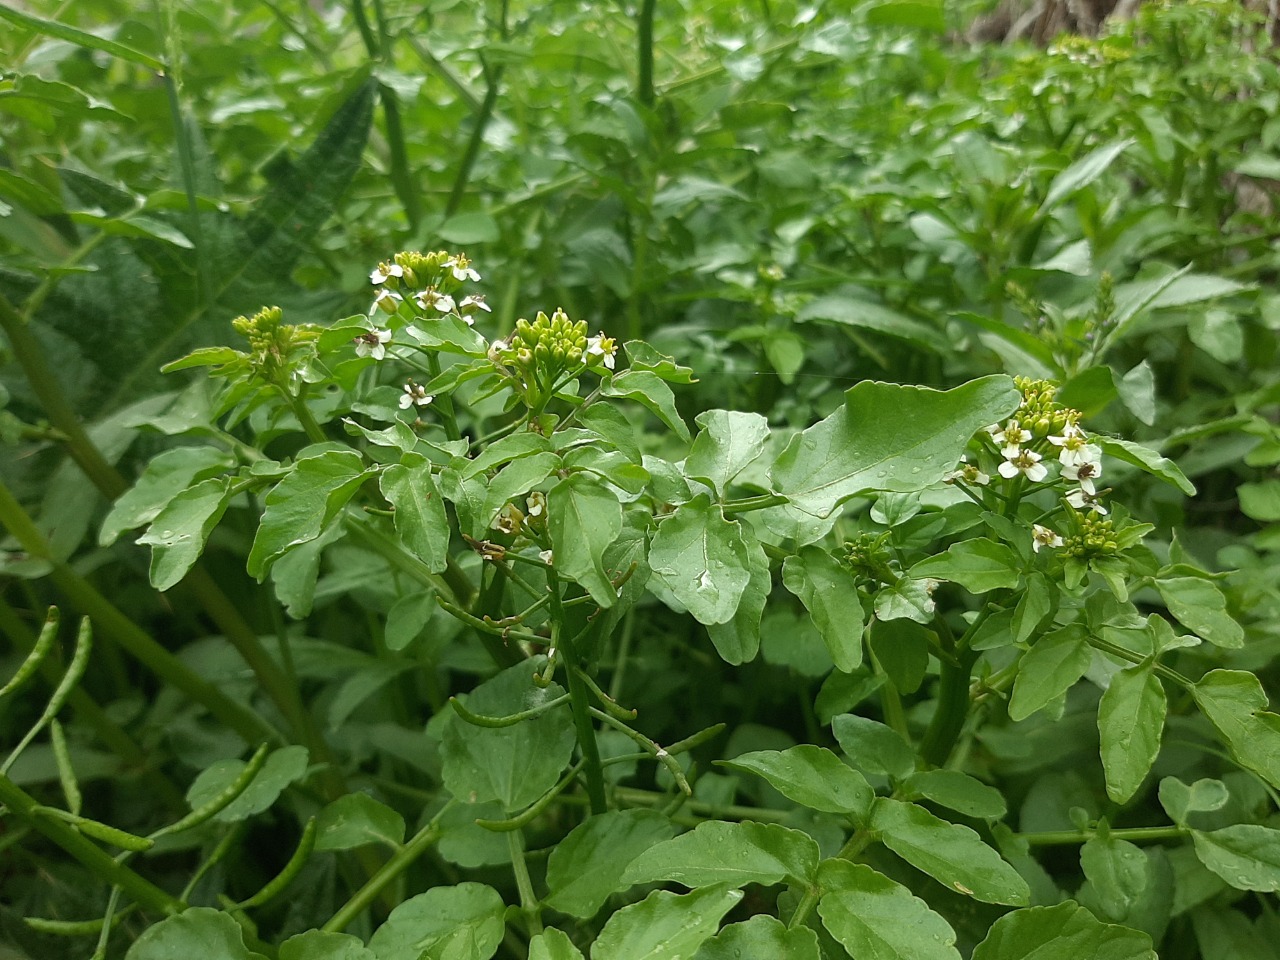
pixel 44 643
pixel 66 773
pixel 100 831
pixel 75 671
pixel 76 928
pixel 291 869
pixel 213 807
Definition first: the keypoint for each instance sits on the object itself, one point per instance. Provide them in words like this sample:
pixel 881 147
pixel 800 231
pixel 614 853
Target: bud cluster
pixel 272 342
pixel 1039 412
pixel 869 558
pixel 546 350
pixel 1095 537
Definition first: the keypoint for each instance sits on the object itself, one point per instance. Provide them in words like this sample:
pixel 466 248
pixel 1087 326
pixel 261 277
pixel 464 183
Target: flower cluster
pixel 273 344
pixel 429 282
pixel 543 353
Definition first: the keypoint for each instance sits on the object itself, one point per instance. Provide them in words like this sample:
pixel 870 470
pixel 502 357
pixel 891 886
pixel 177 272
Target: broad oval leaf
pixel 1049 669
pixel 1200 606
pixel 664 925
pixel 1235 704
pixel 762 937
pixel 875 918
pixel 178 534
pixel 812 776
pixel 887 437
pixel 728 441
pixel 167 475
pixel 828 592
pixel 977 565
pixel 737 640
pixel 463 922
pixel 873 746
pixel 283 767
pixel 584 518
pixel 1130 724
pixel 553 944
pixel 588 864
pixel 702 558
pixel 732 853
pixel 951 853
pixel 356 819
pixel 197 932
pixel 1064 932
pixel 419 510
pixel 956 791
pixel 323 945
pixel 1246 855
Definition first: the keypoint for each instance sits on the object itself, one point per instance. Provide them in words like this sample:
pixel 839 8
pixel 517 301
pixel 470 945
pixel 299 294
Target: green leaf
pixel 197 932
pixel 167 475
pixel 1127 885
pixel 469 228
pixel 1200 607
pixel 702 559
pixel 583 518
pixel 1035 607
pixel 512 447
pixel 552 944
pixel 874 747
pixel 952 854
pixel 80 38
pixel 727 442
pixel 419 510
pixel 902 647
pixel 1064 932
pixel 955 791
pixel 762 937
pixel 283 767
pixel 906 600
pixel 812 776
pixel 1180 800
pixel 1145 459
pixel 664 926
pixel 1229 934
pixel 1245 855
pixel 516 764
pixel 178 534
pixel 301 505
pixel 977 565
pixel 1082 173
pixel 462 922
pixel 641 356
pixel 733 853
pixel 587 865
pixel 849 311
pixel 356 819
pixel 648 390
pixel 1049 669
pixel 827 591
pixel 1130 724
pixel 1235 704
pixel 738 640
pixel 322 945
pixel 1260 501
pixel 887 437
pixel 875 918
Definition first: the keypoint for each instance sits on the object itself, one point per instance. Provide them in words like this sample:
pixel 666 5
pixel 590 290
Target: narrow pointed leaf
pixel 736 854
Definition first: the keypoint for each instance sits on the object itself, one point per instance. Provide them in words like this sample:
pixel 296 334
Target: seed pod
pixel 66 773
pixel 75 671
pixel 223 800
pixel 291 869
pixel 111 835
pixel 44 643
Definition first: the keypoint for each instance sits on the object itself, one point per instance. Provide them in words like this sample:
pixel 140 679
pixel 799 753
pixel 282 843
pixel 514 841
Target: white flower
pixel 1011 439
pixel 1043 537
pixel 1084 473
pixel 388 301
pixel 602 347
pixel 414 394
pixel 1079 499
pixel 537 503
pixel 384 271
pixel 433 299
pixel 469 305
pixel 1026 462
pixel 373 344
pixel 968 473
pixel 545 556
pixel 1076 448
pixel 461 269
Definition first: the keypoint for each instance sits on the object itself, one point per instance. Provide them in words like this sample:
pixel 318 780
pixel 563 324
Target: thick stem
pixel 529 905
pixel 473 144
pixel 579 698
pixel 1133 834
pixel 90 854
pixel 448 418
pixel 644 50
pixel 952 710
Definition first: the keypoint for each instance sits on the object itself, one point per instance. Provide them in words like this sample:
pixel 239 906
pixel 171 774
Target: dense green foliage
pixel 887 427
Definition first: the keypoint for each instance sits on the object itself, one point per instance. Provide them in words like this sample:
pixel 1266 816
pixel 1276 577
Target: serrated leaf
pixel 978 565
pixel 462 922
pixel 726 444
pixel 1064 932
pixel 1130 723
pixel 420 518
pixel 664 926
pixel 702 559
pixel 827 591
pixel 887 437
pixel 812 776
pixel 1246 855
pixel 301 505
pixel 178 534
pixel 952 854
pixel 873 747
pixel 1049 669
pixel 515 764
pixel 875 918
pixel 732 853
pixel 587 865
pixel 584 517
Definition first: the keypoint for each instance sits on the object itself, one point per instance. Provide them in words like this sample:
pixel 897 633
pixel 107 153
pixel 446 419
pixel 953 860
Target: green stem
pixel 423 840
pixel 1124 653
pixel 88 853
pixel 529 905
pixel 953 707
pixel 472 151
pixel 402 177
pixel 644 45
pixel 1138 834
pixel 128 634
pixel 448 417
pixel 579 699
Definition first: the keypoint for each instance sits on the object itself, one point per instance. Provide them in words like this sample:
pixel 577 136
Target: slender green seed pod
pixel 98 830
pixel 216 805
pixel 480 720
pixel 291 869
pixel 66 772
pixel 75 671
pixel 76 928
pixel 44 643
